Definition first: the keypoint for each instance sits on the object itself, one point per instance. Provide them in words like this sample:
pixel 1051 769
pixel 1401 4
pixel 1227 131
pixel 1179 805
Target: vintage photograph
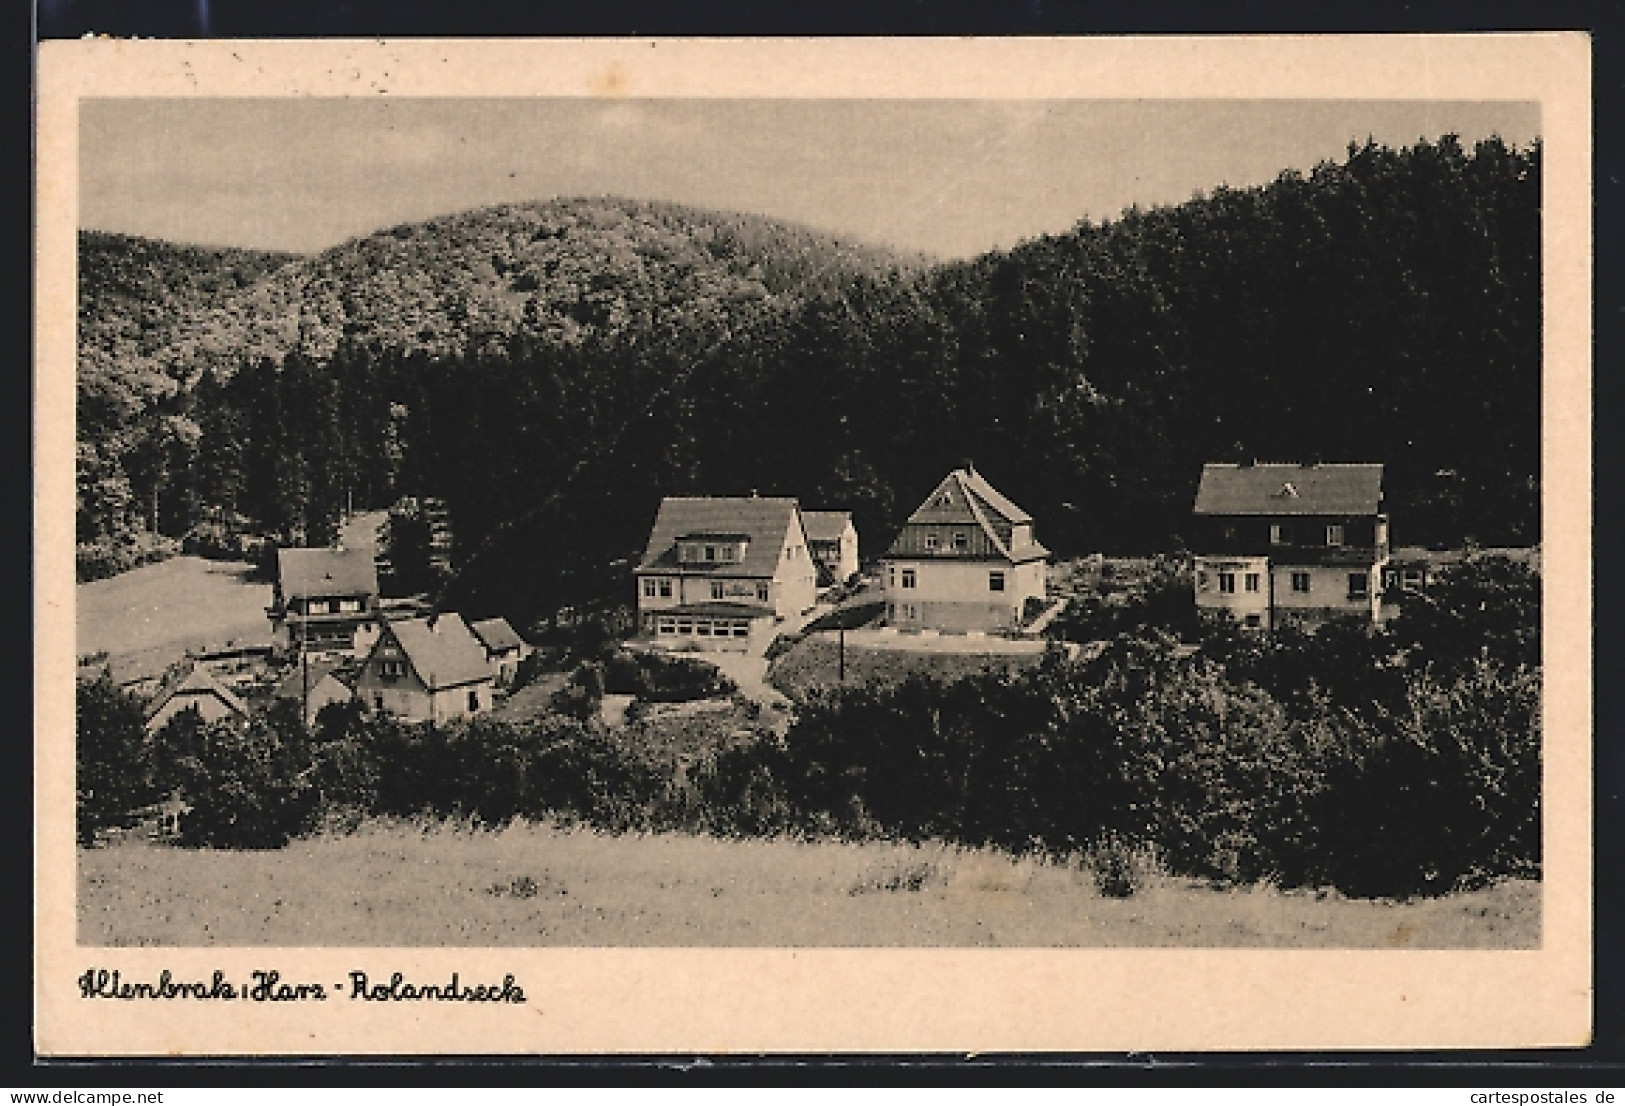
pixel 799 522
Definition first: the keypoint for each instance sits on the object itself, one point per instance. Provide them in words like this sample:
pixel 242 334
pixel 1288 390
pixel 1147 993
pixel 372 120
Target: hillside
pixel 555 368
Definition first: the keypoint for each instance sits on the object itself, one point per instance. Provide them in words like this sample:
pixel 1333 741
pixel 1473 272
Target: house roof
pixel 763 521
pixel 826 525
pixel 495 633
pixel 444 655
pixel 292 686
pixel 318 572
pixel 965 498
pixel 199 681
pixel 1288 489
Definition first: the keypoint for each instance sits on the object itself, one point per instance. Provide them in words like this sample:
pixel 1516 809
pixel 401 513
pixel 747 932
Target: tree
pixel 110 770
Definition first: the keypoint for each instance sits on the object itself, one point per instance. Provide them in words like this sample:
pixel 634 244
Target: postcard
pixel 724 546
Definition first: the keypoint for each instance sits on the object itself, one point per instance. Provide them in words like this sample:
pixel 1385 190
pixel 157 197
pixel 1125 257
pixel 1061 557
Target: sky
pixel 946 178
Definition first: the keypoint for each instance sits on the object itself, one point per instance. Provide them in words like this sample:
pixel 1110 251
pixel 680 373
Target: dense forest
pixel 551 370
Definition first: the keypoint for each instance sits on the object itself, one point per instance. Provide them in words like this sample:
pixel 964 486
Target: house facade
pixel 198 690
pixel 833 541
pixel 718 572
pixel 965 561
pixel 429 669
pixel 1299 543
pixel 504 649
pixel 323 598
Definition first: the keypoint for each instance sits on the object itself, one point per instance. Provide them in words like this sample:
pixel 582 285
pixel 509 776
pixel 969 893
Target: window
pixel 891 576
pixel 474 700
pixel 392 669
pixel 761 593
pixel 716 589
pixel 685 626
pixel 1334 534
pixel 1300 581
pixel 891 611
pixel 932 541
pixel 332 606
pixel 741 629
pixel 649 589
pixel 710 552
pixel 995 581
pixel 961 540
pixel 1280 534
pixel 1359 585
pixel 703 629
pixel 667 626
pixel 909 578
pixel 1230 531
pixel 1252 581
pixel 377 702
pixel 665 589
pixel 1227 582
pixel 1251 620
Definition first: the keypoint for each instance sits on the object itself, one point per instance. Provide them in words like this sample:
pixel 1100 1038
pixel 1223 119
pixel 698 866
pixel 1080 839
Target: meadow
pixel 813 663
pixel 534 885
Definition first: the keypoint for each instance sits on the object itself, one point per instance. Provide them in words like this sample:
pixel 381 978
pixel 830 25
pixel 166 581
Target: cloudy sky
pixel 950 178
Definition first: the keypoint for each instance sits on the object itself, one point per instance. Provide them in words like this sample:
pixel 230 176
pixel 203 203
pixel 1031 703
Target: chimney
pixel 970 466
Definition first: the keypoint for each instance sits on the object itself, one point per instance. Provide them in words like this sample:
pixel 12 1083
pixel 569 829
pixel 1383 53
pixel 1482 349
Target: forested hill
pixel 551 370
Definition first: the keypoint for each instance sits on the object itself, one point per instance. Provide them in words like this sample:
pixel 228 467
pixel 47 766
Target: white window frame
pixel 649 589
pixel 995 579
pixel 1334 534
pixel 911 579
pixel 961 541
pixel 763 593
pixel 665 589
pixel 1364 589
pixel 1280 533
pixel 1227 583
pixel 717 590
pixel 932 541
pixel 1251 581
pixel 1305 579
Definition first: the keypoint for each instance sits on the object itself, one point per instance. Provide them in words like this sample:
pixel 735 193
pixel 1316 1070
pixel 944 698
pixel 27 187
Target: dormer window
pixel 712 549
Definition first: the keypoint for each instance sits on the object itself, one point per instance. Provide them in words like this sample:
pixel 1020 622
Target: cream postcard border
pixel 751 1000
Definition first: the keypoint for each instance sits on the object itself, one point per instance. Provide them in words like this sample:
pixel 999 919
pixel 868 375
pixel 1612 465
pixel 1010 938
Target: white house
pixel 426 670
pixel 966 560
pixel 718 572
pixel 505 650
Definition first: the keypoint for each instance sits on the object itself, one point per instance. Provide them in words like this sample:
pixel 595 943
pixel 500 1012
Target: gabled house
pixel 833 541
pixel 198 690
pixel 316 684
pixel 426 670
pixel 966 560
pixel 718 572
pixel 1289 542
pixel 505 650
pixel 322 597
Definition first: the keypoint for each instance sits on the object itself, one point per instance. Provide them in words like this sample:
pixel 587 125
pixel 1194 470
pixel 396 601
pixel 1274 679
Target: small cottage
pixel 833 541
pixel 426 670
pixel 317 685
pixel 198 691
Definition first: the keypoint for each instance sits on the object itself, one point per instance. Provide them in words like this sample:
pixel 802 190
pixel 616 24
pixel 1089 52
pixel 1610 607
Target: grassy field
pixel 538 886
pixel 159 611
pixel 814 663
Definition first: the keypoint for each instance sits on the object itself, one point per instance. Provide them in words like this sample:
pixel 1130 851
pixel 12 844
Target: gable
pixel 965 499
pixel 444 655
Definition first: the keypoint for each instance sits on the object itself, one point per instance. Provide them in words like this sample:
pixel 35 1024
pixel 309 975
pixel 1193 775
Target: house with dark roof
pixel 322 598
pixel 966 560
pixel 505 650
pixel 833 541
pixel 1289 542
pixel 198 691
pixel 430 669
pixel 719 571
